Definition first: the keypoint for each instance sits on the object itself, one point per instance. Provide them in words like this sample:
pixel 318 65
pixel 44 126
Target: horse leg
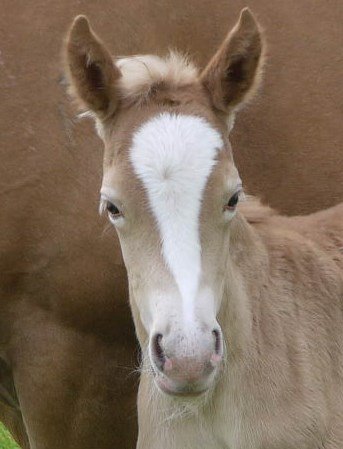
pixel 75 389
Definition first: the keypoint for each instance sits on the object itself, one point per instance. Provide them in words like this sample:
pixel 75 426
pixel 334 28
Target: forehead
pixel 171 150
pixel 167 149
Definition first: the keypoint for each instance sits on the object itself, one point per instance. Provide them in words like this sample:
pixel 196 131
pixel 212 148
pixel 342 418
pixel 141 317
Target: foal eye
pixel 232 202
pixel 113 210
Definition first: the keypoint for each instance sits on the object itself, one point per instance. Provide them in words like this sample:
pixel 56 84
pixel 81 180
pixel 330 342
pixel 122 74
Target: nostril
pixel 159 357
pixel 217 343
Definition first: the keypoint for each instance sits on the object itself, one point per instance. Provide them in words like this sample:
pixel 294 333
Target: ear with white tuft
pixel 233 74
pixel 91 72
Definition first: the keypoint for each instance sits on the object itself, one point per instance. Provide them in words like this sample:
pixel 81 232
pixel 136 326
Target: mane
pixel 142 73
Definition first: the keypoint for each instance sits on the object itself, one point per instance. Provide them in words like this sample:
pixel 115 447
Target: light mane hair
pixel 141 73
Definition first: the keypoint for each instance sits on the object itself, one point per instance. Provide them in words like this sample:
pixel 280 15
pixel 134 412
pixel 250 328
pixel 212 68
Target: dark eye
pixel 112 209
pixel 233 201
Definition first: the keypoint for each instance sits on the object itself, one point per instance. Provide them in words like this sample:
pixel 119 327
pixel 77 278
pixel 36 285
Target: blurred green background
pixel 6 441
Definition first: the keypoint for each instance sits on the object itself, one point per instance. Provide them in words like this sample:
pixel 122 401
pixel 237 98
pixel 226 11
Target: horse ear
pixel 234 72
pixel 91 72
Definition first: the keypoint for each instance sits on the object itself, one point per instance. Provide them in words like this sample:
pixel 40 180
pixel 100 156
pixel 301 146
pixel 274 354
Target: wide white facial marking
pixel 173 155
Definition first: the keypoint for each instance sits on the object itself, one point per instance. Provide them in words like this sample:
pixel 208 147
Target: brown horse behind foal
pixel 238 310
pixel 67 347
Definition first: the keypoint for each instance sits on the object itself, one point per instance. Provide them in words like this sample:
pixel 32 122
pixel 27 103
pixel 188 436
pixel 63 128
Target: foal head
pixel 170 186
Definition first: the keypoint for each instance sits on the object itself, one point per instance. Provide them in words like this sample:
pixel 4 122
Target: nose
pixel 188 366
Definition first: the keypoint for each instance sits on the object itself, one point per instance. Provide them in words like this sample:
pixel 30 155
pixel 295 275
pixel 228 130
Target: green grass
pixel 6 441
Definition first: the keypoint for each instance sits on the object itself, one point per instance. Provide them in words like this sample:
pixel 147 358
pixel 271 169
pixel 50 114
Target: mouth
pixel 184 389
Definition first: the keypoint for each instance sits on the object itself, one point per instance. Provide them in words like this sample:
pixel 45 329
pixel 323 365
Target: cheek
pixel 140 305
pixel 218 298
pixel 214 255
pixel 228 215
pixel 214 240
pixel 135 257
pixel 151 292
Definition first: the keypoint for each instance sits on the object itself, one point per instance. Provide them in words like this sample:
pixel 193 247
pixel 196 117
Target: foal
pixel 237 309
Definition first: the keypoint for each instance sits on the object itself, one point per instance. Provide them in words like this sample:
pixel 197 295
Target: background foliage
pixel 6 441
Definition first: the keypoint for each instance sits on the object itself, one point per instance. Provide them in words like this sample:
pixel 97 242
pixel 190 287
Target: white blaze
pixel 173 155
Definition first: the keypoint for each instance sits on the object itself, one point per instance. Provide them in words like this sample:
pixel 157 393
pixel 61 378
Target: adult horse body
pixel 238 310
pixel 66 341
